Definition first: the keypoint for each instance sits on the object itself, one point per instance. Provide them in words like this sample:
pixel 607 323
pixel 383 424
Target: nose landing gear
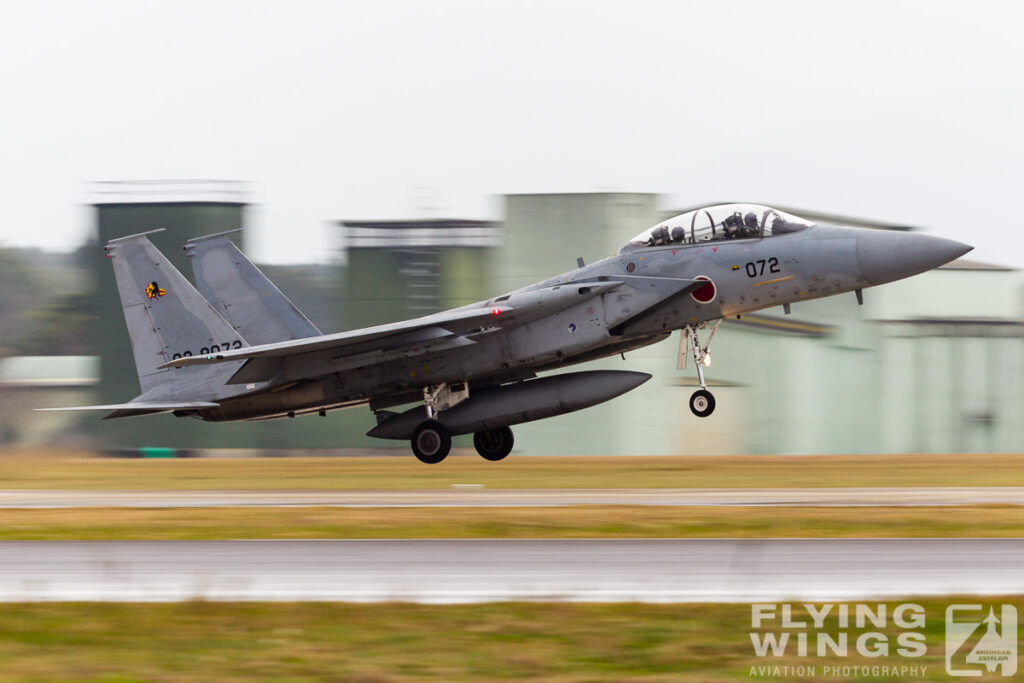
pixel 702 402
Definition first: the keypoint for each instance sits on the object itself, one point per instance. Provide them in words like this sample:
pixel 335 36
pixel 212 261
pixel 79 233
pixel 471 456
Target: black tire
pixel 702 403
pixel 431 442
pixel 494 444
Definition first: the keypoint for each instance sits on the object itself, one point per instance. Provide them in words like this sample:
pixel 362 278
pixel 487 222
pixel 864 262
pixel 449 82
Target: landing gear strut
pixel 494 444
pixel 702 402
pixel 432 441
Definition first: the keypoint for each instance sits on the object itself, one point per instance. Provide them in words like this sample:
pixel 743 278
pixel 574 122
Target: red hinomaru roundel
pixel 704 294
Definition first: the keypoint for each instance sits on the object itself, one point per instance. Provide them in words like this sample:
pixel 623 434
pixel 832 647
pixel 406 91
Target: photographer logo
pixel 995 646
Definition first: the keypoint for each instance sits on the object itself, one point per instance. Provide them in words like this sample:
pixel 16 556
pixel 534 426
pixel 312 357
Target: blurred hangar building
pixel 44 382
pixel 401 269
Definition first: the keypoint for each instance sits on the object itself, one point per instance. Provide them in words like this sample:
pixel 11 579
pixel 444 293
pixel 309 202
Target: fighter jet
pixel 235 348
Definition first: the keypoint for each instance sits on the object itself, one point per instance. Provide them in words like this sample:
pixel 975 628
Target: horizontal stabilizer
pixel 141 408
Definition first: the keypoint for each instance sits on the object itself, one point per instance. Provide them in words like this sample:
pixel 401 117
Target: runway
pixel 472 496
pixel 460 571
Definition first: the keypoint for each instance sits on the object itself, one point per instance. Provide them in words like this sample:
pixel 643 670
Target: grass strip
pixel 583 521
pixel 65 470
pixel 386 643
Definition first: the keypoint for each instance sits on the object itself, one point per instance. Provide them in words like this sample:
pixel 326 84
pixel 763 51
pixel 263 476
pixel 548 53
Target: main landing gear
pixel 702 402
pixel 432 441
pixel 494 444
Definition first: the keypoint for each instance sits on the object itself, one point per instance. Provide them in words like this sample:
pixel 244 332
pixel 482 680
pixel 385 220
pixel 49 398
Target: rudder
pixel 243 295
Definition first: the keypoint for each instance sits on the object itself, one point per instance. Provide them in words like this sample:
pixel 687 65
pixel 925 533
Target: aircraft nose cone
pixel 887 255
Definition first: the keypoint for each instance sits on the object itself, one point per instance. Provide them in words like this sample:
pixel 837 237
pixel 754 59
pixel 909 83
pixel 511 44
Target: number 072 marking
pixel 759 267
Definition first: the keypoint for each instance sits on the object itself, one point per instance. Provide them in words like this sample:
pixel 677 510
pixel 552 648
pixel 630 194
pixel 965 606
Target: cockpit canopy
pixel 721 222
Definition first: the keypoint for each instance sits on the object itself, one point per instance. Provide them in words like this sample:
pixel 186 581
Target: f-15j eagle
pixel 238 349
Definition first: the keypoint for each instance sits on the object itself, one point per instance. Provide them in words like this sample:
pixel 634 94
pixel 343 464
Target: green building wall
pixel 545 233
pixel 371 291
pixel 467 275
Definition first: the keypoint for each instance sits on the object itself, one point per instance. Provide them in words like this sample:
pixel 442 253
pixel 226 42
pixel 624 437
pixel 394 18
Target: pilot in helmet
pixel 750 224
pixel 659 236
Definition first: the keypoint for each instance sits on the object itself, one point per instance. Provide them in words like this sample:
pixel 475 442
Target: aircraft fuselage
pixel 747 275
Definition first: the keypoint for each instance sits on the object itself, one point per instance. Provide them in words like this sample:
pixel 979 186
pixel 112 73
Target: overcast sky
pixel 908 112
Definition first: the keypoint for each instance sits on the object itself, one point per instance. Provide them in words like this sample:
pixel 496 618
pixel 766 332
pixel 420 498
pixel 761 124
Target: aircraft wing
pixel 417 331
pixel 445 330
pixel 141 408
pixel 447 327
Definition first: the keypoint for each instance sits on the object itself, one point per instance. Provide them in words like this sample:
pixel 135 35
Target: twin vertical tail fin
pixel 243 295
pixel 166 317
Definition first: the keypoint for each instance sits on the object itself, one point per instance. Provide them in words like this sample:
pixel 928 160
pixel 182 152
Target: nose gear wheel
pixel 702 403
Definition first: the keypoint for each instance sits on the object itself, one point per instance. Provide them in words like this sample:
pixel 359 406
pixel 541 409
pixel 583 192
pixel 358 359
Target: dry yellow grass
pixel 529 522
pixel 69 470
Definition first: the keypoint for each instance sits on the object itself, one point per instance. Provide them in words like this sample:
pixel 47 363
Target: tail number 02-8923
pixel 760 266
pixel 213 348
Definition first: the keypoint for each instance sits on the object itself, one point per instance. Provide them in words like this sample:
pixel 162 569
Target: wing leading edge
pixel 448 323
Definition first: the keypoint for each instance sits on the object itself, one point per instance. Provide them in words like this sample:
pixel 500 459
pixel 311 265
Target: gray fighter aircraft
pixel 237 349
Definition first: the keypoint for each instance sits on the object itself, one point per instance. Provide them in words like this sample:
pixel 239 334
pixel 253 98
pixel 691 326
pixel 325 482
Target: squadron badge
pixel 153 291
